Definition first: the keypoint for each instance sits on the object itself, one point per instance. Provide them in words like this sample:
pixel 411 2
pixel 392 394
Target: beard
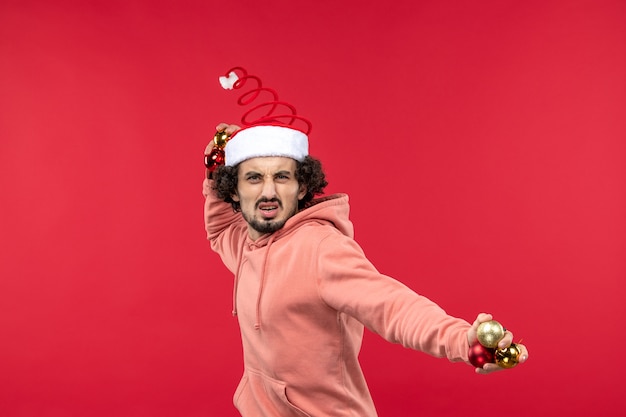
pixel 268 225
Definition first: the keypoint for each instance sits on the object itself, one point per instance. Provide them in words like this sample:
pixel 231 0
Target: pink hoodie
pixel 302 296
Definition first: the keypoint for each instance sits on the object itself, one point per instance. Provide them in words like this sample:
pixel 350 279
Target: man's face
pixel 268 192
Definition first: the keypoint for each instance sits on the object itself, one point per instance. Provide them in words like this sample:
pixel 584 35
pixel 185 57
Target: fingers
pixel 523 357
pixel 481 318
pixel 489 368
pixel 222 127
pixel 506 340
pixel 225 127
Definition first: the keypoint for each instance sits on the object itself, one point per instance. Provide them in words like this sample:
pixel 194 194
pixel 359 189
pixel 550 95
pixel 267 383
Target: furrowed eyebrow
pixel 250 174
pixel 287 173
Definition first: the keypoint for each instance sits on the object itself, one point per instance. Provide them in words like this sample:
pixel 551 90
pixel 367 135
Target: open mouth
pixel 268 209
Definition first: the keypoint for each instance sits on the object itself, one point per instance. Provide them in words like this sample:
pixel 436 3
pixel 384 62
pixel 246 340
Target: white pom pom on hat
pixel 227 82
pixel 266 135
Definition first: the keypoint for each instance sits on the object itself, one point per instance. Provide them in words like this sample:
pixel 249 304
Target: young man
pixel 304 289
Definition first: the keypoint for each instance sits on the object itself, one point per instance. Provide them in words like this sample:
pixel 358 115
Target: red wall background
pixel 481 142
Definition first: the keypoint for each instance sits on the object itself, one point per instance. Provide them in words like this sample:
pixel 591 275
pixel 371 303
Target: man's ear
pixel 235 196
pixel 302 192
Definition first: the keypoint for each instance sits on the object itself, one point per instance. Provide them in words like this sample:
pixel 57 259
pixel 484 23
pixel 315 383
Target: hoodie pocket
pixel 260 394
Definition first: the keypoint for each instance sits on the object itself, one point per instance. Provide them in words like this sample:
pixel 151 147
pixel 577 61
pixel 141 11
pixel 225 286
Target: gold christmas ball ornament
pixel 220 139
pixel 490 333
pixel 509 356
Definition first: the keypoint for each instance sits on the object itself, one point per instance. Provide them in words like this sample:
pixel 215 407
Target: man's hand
pixel 229 129
pixel 505 342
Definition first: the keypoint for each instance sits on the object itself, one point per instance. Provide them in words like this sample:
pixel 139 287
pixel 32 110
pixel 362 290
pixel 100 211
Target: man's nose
pixel 269 189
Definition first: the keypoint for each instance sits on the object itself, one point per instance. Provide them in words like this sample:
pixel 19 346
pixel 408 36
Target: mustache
pixel 268 200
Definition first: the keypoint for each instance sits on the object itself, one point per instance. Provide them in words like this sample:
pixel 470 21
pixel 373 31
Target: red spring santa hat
pixel 269 127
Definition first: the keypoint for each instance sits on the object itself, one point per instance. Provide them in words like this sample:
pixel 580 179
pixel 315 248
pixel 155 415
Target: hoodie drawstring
pixel 236 286
pixel 257 324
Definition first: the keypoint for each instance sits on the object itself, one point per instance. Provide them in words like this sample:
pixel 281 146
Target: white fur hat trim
pixel 266 140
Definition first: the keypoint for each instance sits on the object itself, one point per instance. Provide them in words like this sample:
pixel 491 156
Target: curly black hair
pixel 309 173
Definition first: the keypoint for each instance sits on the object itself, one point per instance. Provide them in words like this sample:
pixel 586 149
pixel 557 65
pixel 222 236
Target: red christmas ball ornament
pixel 214 159
pixel 480 355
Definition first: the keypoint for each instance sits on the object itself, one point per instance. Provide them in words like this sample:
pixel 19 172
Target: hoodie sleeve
pixel 348 282
pixel 225 229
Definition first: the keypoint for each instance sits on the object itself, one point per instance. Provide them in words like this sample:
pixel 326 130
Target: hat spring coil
pixel 272 111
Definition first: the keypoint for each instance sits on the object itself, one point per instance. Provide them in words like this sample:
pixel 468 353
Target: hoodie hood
pixel 333 210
